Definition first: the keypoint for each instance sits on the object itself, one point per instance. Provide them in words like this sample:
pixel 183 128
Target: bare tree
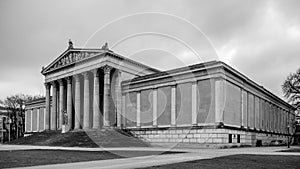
pixel 15 105
pixel 291 89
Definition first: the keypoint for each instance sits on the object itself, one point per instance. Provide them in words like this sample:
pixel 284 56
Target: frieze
pixel 72 57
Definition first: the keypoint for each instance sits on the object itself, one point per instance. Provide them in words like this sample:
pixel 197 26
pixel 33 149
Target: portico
pixel 86 84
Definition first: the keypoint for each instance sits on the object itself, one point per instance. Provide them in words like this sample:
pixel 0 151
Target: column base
pixel 86 128
pixel 77 128
pixel 96 127
pixel 65 128
pixel 110 127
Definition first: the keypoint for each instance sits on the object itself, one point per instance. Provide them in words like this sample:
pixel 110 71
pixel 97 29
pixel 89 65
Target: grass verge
pixel 239 161
pixel 25 158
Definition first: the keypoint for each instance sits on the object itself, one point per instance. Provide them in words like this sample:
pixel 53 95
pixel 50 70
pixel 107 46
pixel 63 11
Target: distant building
pixel 206 103
pixel 3 123
pixel 3 111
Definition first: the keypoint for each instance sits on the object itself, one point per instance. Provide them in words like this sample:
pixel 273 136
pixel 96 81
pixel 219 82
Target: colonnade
pixel 64 91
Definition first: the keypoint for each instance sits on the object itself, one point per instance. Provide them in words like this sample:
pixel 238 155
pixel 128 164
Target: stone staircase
pixel 83 138
pixel 115 138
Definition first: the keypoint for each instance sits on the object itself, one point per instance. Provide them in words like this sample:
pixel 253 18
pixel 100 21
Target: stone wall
pixel 35 116
pixel 205 137
pixel 35 119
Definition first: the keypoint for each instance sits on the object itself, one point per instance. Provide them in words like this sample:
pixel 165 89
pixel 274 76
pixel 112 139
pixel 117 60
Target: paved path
pixel 145 161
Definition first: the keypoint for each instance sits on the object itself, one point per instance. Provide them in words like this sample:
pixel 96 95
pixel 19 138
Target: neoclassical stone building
pixel 207 103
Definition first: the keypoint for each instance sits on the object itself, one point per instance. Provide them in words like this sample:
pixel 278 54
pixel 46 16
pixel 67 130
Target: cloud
pixel 260 38
pixel 270 52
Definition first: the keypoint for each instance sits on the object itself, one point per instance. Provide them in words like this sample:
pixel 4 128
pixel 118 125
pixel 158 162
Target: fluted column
pixel 106 93
pixel 77 102
pixel 194 103
pixel 96 108
pixel 54 107
pixel 47 114
pixel 118 98
pixel 69 101
pixel 31 120
pixel 38 119
pixel 173 105
pixel 86 101
pixel 61 103
pixel 138 109
pixel 155 91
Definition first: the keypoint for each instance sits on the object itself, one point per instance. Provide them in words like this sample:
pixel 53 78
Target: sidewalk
pixel 145 161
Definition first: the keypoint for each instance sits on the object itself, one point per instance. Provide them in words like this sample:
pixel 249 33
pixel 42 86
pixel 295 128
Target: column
pixel 38 119
pixel 256 104
pixel 123 119
pixel 77 102
pixel 242 107
pixel 219 100
pixel 96 108
pixel 45 119
pixel 194 103
pixel 106 93
pixel 272 118
pixel 118 97
pixel 26 120
pixel 61 103
pixel 138 109
pixel 47 111
pixel 282 123
pixel 54 107
pixel 31 120
pixel 69 101
pixel 260 114
pixel 277 119
pixel 86 101
pixel 155 107
pixel 173 105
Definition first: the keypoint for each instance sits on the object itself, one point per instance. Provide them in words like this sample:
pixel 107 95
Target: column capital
pixel 85 75
pixel 77 77
pixel 69 79
pixel 95 72
pixel 60 81
pixel 53 83
pixel 173 85
pixel 118 72
pixel 47 85
pixel 106 69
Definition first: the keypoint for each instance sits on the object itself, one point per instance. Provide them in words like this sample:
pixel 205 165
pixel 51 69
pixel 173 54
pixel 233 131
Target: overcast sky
pixel 261 39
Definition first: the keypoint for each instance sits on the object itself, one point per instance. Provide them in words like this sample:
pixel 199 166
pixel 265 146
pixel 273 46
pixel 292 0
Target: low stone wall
pixel 219 137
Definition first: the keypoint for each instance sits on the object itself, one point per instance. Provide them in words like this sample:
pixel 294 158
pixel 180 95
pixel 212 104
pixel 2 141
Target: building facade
pixel 208 103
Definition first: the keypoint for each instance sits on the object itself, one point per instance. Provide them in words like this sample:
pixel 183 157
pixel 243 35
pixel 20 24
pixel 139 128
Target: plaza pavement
pixel 146 161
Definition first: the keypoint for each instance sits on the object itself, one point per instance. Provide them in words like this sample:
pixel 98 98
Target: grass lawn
pixel 293 150
pixel 22 158
pixel 239 161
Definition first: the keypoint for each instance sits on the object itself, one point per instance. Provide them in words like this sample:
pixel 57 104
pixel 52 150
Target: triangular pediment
pixel 71 56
